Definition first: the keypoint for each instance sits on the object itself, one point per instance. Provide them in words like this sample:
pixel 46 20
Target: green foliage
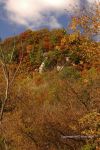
pixel 7 57
pixel 53 56
pixel 15 56
pixel 50 63
pixel 39 56
pixel 89 147
pixel 2 145
pixel 69 72
pixel 32 57
pixel 53 39
pixel 36 57
pixel 75 58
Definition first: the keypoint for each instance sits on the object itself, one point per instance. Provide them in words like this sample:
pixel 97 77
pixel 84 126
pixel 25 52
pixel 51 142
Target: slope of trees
pixel 58 109
pixel 56 45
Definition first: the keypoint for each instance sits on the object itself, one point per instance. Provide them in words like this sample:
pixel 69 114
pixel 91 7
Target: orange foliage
pixel 29 49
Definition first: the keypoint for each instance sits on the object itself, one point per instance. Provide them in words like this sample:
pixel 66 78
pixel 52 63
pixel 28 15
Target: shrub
pixel 2 145
pixel 89 147
pixel 69 72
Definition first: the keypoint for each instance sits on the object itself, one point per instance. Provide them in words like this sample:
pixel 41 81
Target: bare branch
pixel 4 65
pixel 7 78
pixel 12 51
pixel 4 101
pixel 11 82
pixel 78 137
pixel 17 67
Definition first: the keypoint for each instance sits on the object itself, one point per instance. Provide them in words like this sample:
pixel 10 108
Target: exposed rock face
pixel 67 59
pixel 59 68
pixel 42 67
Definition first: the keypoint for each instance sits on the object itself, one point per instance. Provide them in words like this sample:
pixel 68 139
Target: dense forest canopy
pixel 55 44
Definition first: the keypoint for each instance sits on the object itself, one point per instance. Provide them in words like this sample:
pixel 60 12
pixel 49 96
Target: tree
pixel 87 20
pixel 9 80
pixel 6 72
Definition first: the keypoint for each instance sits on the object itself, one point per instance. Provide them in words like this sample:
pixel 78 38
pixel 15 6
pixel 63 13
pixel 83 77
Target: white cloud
pixel 37 13
pixel 54 23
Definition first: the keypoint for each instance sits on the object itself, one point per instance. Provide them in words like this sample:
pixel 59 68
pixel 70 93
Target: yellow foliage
pixel 73 36
pixel 57 47
pixel 91 123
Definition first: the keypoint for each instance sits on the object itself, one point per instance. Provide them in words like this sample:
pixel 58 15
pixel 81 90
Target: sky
pixel 18 15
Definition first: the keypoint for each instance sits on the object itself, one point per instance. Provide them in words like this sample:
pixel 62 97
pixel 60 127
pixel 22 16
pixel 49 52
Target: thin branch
pixel 5 144
pixel 78 137
pixel 15 73
pixel 12 51
pixel 7 79
pixel 5 99
pixel 4 68
pixel 6 75
pixel 17 67
pixel 3 63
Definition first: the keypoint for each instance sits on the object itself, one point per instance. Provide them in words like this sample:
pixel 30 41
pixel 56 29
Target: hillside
pixel 55 91
pixel 55 45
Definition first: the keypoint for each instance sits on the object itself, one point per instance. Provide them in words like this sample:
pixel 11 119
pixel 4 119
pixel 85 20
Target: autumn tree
pixel 87 20
pixel 9 75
